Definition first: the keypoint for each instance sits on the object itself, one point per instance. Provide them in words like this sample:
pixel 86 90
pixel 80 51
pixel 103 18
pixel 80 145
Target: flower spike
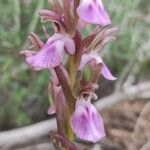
pixel 72 85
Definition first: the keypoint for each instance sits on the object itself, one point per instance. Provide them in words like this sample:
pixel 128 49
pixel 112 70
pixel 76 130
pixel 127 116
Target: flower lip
pixel 86 122
pixel 107 74
pixel 92 11
pixel 51 54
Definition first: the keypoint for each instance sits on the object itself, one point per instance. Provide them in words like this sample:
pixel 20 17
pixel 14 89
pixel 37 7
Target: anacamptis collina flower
pixel 75 66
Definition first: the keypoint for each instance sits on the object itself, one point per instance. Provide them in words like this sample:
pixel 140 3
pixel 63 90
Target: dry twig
pixel 34 134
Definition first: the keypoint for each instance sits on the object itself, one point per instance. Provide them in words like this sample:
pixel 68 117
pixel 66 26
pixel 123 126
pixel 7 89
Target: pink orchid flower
pixel 86 122
pixel 95 56
pixel 92 11
pixel 51 54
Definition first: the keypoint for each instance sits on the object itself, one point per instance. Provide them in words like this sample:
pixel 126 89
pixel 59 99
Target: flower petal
pixel 86 58
pixel 51 110
pixel 107 74
pixel 92 11
pixel 86 122
pixel 49 15
pixel 37 43
pixel 69 45
pixel 89 57
pixel 50 56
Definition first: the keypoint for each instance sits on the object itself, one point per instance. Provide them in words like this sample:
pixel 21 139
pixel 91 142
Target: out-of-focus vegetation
pixel 133 21
pixel 23 92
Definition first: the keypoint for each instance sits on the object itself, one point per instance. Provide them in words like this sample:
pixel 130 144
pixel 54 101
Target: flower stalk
pixel 75 66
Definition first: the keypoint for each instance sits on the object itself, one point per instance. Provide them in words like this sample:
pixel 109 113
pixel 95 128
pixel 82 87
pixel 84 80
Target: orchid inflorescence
pixel 75 65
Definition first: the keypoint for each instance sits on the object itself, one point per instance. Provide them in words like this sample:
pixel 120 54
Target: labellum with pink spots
pixel 51 54
pixel 92 11
pixel 86 122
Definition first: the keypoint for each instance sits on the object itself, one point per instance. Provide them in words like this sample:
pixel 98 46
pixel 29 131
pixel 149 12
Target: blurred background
pixel 23 92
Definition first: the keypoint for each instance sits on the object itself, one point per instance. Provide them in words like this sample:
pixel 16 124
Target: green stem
pixel 69 102
pixel 70 134
pixel 72 71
